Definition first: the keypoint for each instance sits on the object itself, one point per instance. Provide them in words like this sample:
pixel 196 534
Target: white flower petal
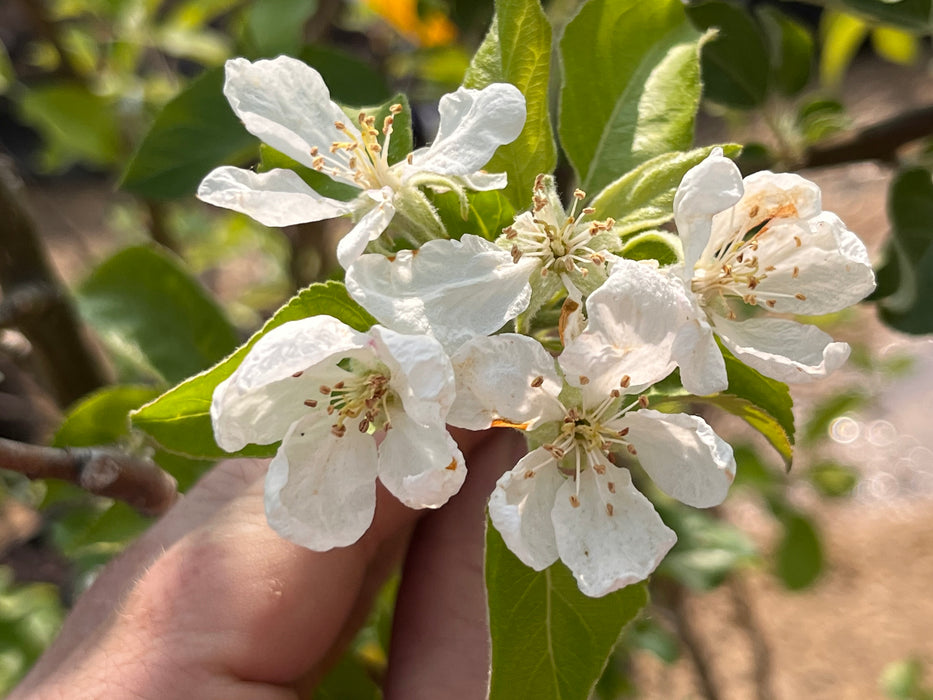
pixel 286 104
pixel 782 349
pixel 473 124
pixel 494 383
pixel 608 548
pixel 320 489
pixel 702 368
pixel 422 375
pixel 369 228
pixel 483 182
pixel 825 272
pixel 421 465
pixel 275 198
pixel 451 290
pixel 263 396
pixel 682 455
pixel 707 189
pixel 632 321
pixel 520 509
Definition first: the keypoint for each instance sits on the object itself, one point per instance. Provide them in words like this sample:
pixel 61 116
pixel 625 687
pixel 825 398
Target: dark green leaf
pixel 832 479
pixel 548 639
pixel 180 420
pixel 905 282
pixel 147 307
pixel 276 27
pixel 915 15
pixel 736 69
pixel 630 87
pixel 826 411
pixel 643 198
pixel 517 50
pixel 791 50
pixel 348 679
pixel 799 557
pixel 194 132
pixel 75 124
pixel 350 80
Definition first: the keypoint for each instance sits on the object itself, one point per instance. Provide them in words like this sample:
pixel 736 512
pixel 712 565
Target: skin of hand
pixel 211 603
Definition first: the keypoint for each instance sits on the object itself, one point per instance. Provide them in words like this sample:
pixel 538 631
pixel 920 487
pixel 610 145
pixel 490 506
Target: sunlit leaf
pixel 630 86
pixel 517 50
pixel 180 420
pixel 146 306
pixel 194 132
pixel 895 45
pixel 548 639
pixel 643 198
pixel 842 35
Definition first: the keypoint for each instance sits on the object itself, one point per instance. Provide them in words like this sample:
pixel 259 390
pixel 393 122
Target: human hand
pixel 211 603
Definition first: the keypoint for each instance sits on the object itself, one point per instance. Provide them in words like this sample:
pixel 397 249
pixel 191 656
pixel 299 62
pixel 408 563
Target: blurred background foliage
pixel 128 93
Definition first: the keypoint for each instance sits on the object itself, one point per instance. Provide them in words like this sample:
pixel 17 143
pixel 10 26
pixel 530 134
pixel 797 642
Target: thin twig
pixel 101 471
pixel 673 596
pixel 745 619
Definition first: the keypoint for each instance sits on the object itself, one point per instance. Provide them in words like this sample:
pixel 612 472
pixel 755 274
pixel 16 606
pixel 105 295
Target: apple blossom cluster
pixel 458 341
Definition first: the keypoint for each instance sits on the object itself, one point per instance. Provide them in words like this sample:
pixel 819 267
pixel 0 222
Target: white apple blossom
pixel 452 290
pixel 763 242
pixel 287 105
pixel 567 499
pixel 327 391
pixel 565 250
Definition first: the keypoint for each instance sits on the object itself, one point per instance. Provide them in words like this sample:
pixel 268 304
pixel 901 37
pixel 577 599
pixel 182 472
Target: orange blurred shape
pixel 433 29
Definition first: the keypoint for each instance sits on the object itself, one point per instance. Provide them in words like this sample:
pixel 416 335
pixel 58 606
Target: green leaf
pixel 833 480
pixel 791 50
pixel 826 411
pixel 347 679
pixel 643 198
pixel 487 213
pixel 630 86
pixel 905 281
pixel 896 45
pixel 75 124
pixel 350 80
pixel 799 556
pixel 652 245
pixel 736 65
pixel 819 118
pixel 148 308
pixel 707 549
pixel 914 15
pixel 276 27
pixel 548 639
pixel 195 132
pixel 842 35
pixel 517 50
pixel 180 420
pixel 102 418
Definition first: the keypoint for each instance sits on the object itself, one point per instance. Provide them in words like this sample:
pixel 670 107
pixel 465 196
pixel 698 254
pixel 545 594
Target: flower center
pixel 361 159
pixel 735 271
pixel 588 437
pixel 559 241
pixel 364 396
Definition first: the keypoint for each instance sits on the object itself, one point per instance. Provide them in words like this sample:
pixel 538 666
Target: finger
pixel 230 594
pixel 440 635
